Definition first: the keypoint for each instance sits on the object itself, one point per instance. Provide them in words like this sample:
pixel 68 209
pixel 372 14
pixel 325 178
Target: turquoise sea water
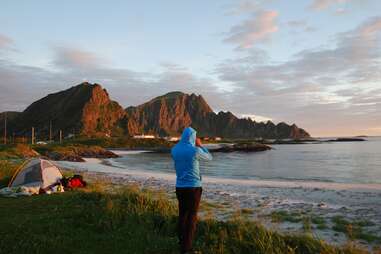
pixel 346 162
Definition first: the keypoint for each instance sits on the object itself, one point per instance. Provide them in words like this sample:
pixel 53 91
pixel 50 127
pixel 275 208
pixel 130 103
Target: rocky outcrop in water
pixel 241 147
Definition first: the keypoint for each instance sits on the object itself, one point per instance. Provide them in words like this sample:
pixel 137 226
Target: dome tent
pixel 34 172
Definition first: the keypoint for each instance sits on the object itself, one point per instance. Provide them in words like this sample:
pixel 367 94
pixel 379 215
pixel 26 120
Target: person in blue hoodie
pixel 186 155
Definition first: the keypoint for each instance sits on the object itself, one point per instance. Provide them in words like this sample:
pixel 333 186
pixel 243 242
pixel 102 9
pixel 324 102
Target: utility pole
pixel 32 135
pixel 60 136
pixel 50 131
pixel 5 128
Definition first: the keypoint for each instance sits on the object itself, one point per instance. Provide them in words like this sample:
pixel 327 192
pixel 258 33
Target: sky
pixel 316 63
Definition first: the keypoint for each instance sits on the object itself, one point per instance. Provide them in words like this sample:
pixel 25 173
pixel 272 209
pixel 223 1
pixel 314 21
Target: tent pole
pixel 17 171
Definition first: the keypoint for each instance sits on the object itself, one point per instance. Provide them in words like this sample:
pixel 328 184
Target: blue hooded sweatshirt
pixel 186 156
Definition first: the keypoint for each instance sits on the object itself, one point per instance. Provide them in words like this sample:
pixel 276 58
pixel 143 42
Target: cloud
pixel 378 129
pixel 321 89
pixel 245 7
pixel 319 5
pixel 5 41
pixel 256 29
pixel 297 23
pixel 340 11
pixel 20 85
pixel 67 57
pixel 300 25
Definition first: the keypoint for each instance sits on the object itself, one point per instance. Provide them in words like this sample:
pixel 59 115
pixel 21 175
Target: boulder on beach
pixel 75 153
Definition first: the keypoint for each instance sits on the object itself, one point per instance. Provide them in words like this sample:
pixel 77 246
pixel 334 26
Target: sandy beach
pixel 287 206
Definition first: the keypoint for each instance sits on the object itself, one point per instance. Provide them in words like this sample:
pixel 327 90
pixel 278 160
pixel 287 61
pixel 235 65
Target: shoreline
pixel 281 183
pixel 262 200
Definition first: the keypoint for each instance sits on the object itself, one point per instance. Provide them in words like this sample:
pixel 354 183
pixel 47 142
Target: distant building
pixel 144 136
pixel 173 139
pixel 70 135
pixel 211 138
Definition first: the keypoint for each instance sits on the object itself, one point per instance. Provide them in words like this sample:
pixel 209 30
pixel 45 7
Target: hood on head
pixel 189 136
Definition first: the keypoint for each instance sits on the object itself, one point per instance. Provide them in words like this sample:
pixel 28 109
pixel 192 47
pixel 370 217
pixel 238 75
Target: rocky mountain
pixel 169 114
pixel 85 109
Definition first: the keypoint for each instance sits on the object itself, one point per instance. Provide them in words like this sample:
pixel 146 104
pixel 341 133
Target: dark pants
pixel 189 201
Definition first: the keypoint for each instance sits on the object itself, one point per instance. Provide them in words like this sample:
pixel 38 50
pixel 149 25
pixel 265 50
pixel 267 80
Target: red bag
pixel 75 183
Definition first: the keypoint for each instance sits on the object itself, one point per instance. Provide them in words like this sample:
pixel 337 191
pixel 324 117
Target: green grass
pixel 120 142
pixel 211 205
pixel 307 224
pixel 73 149
pixel 129 220
pixel 309 221
pixel 64 151
pixel 282 216
pixel 355 229
pixel 7 169
pixel 80 222
pixel 247 211
pixel 17 151
pixel 320 222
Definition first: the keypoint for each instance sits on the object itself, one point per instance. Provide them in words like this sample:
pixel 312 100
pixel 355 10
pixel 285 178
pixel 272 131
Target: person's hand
pixel 198 142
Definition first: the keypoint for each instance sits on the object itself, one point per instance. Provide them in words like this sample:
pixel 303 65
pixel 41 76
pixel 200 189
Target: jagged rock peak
pixel 169 95
pixel 178 98
pixel 84 109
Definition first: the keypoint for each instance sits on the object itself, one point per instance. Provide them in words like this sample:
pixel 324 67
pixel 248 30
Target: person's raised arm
pixel 202 152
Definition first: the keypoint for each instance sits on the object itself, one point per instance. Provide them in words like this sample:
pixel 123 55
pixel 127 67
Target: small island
pixel 355 139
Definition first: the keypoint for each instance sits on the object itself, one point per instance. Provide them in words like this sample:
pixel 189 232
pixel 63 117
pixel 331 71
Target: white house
pixel 173 139
pixel 144 136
